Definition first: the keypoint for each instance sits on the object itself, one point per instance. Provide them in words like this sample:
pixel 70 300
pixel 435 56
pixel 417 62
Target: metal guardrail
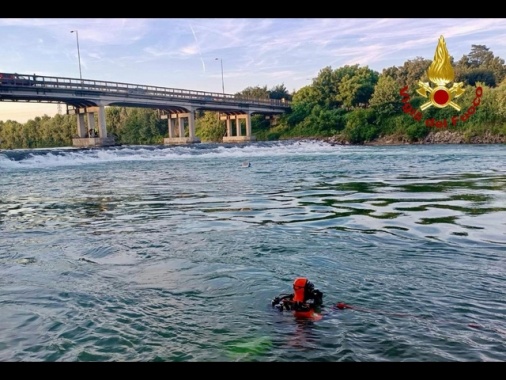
pixel 118 88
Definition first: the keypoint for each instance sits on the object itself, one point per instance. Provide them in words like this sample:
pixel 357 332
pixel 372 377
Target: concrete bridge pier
pixel 238 137
pixel 82 131
pixel 91 136
pixel 177 135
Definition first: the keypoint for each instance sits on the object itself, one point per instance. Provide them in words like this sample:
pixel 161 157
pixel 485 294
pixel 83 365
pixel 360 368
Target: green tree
pixel 480 56
pixel 325 86
pixel 142 127
pixel 115 118
pixel 410 73
pixel 50 135
pixel 473 76
pixel 500 103
pixel 30 135
pixel 63 128
pixel 303 102
pixel 416 132
pixel 356 87
pixel 280 92
pixel 11 135
pixel 360 126
pixel 208 128
pixel 386 100
pixel 480 61
pixel 254 93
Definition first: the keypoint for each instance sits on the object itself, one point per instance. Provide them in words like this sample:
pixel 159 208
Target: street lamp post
pixel 222 82
pixel 78 53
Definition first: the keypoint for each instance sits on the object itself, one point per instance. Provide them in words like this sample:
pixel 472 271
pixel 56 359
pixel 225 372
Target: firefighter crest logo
pixel 439 95
pixel 440 73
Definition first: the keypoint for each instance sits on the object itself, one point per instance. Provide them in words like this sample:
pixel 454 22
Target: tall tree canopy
pixel 480 65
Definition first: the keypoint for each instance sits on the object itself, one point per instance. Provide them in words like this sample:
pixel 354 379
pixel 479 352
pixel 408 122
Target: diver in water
pixel 305 301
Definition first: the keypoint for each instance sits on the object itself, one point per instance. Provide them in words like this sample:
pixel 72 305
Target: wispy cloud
pixel 197 47
pixel 254 51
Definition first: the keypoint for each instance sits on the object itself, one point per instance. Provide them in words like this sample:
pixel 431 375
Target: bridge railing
pixel 118 88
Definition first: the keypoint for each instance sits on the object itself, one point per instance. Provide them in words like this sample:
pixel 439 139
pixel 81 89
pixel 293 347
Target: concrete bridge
pixel 87 97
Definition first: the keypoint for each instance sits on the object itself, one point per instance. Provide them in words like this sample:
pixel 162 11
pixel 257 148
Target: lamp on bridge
pixel 222 82
pixel 78 53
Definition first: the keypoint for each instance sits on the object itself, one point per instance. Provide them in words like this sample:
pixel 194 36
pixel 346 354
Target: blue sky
pixel 181 52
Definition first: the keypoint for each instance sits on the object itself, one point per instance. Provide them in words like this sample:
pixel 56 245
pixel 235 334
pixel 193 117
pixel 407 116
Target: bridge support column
pixel 91 124
pixel 180 118
pixel 238 125
pixel 180 124
pixel 81 126
pixel 239 137
pixel 90 138
pixel 248 125
pixel 191 124
pixel 229 126
pixel 171 123
pixel 102 130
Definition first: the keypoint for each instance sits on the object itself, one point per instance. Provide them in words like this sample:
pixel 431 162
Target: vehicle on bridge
pixel 16 80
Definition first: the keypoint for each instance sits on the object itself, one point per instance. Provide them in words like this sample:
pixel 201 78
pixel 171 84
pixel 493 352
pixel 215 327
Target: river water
pixel 174 253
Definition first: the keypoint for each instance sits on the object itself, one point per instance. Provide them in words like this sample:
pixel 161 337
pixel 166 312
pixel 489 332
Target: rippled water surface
pixel 175 253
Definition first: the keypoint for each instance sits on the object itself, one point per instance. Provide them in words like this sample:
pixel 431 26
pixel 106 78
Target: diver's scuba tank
pixel 304 298
pixel 305 292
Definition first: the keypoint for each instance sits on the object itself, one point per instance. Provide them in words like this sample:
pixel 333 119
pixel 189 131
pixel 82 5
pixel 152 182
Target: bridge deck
pixel 21 87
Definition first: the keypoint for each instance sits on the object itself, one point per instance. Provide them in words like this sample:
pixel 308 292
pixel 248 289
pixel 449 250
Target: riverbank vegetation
pixel 347 105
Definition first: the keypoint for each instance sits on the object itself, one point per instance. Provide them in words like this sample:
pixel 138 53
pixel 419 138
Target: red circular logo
pixel 441 97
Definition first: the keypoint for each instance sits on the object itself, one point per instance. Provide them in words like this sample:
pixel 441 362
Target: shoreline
pixel 440 137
